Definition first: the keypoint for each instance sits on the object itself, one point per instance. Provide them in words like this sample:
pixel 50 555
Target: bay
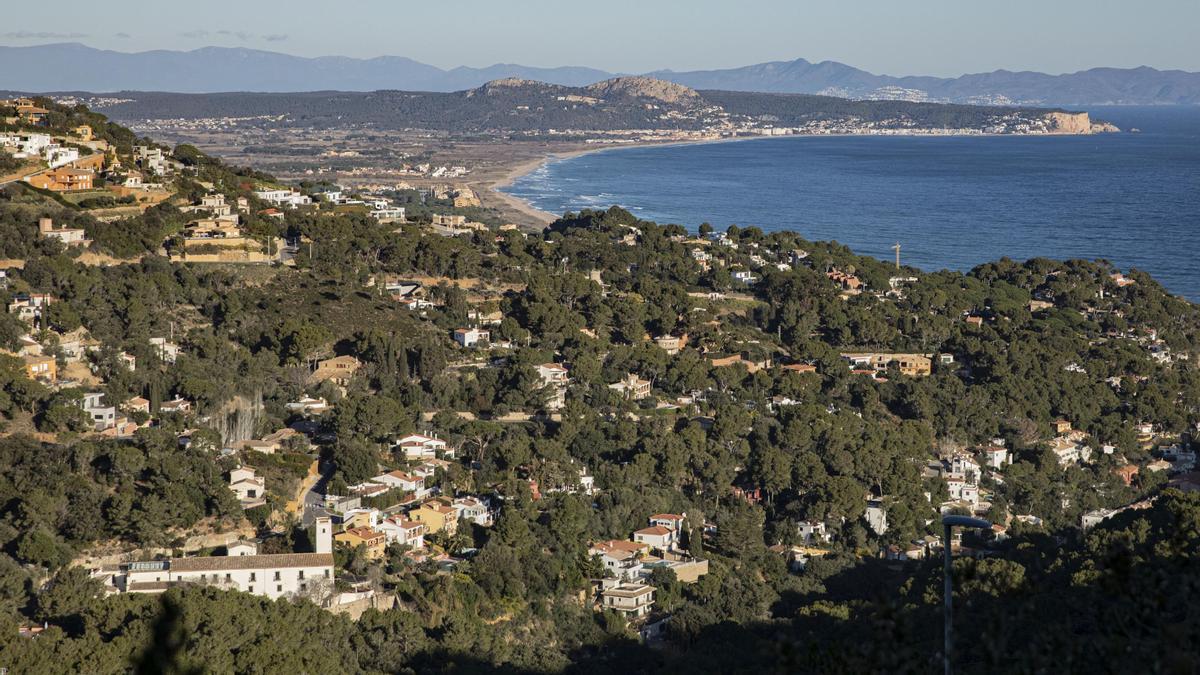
pixel 951 202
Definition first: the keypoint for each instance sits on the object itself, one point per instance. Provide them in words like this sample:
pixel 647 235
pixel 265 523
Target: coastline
pixel 540 219
pixel 495 187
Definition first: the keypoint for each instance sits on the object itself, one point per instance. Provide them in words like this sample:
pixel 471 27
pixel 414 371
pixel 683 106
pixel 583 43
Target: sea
pixel 1132 198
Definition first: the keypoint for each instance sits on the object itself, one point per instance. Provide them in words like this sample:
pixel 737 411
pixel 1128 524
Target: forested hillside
pixel 802 405
pixel 521 105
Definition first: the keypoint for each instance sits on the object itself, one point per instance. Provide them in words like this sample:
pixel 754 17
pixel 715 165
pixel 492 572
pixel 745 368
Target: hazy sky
pixel 895 37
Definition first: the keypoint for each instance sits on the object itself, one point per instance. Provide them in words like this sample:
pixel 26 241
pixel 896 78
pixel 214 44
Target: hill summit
pixel 644 87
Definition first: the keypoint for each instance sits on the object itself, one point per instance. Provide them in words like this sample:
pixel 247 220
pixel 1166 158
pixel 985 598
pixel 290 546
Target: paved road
pixel 314 498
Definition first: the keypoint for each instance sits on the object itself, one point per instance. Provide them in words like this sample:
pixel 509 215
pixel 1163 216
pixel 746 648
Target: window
pixel 252 576
pixel 326 574
pixel 301 574
pixel 251 589
pixel 228 577
pixel 279 588
pixel 304 587
pixel 277 577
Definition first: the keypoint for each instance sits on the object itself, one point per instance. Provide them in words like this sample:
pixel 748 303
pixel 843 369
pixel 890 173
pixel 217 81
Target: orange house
pixel 62 180
pixel 374 541
pixel 94 162
pixel 30 113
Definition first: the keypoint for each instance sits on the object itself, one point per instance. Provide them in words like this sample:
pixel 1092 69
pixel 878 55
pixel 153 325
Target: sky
pixel 894 37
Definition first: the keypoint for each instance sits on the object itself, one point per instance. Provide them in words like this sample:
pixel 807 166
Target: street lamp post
pixel 948 525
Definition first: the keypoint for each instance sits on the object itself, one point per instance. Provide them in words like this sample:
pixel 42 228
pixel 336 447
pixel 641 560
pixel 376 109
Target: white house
pixel 671 521
pixel 553 374
pixel 587 482
pixel 1069 451
pixel 308 405
pixel 388 212
pixel 876 517
pixel 745 277
pixel 281 575
pixel 469 337
pixel 812 531
pixel 419 446
pixel 632 600
pixel 177 405
pixel 620 558
pixel 473 509
pixel 404 532
pixel 288 198
pixel 961 490
pixel 403 481
pixel 963 465
pixel 57 155
pixel 655 536
pixel 103 416
pixel 996 456
pixel 632 387
pixel 251 489
pixel 167 351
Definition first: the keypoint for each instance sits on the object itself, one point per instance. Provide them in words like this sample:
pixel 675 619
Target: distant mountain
pixel 1098 86
pixel 75 67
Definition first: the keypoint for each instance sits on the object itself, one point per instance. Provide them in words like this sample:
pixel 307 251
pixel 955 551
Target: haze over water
pixel 955 202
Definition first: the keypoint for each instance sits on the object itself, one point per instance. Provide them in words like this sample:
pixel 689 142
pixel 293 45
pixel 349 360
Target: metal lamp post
pixel 948 524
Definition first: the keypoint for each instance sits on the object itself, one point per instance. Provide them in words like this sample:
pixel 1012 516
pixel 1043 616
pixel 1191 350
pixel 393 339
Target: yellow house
pixel 339 370
pixel 374 541
pixel 41 368
pixel 358 519
pixel 437 515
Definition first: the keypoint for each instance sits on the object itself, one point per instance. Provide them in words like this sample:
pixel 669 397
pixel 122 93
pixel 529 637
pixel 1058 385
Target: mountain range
pixel 76 67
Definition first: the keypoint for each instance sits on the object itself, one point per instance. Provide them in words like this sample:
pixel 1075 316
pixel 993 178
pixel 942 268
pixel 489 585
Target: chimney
pixel 45 225
pixel 324 541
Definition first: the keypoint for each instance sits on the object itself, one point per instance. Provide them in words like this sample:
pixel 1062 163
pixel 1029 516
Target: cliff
pixel 1077 123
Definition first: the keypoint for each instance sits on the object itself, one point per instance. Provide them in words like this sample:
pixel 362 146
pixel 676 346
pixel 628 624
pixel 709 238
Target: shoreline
pixel 496 187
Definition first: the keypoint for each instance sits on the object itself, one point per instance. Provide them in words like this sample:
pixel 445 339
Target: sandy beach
pixel 536 217
pixel 493 189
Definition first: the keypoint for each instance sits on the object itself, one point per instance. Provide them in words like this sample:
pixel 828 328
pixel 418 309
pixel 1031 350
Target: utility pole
pixel 948 524
pixel 896 248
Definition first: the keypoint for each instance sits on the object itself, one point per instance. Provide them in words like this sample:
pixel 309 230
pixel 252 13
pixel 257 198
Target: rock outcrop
pixel 1077 123
pixel 644 87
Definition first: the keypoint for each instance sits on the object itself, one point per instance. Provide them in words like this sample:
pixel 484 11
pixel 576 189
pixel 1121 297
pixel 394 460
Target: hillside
pixel 755 434
pixel 515 105
pixel 75 67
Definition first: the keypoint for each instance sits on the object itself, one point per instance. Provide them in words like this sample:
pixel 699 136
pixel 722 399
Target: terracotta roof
pixel 657 531
pixel 251 562
pixel 666 516
pixel 619 545
pixel 364 533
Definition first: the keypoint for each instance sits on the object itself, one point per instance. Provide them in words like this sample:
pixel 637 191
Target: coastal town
pixel 362 145
pixel 379 395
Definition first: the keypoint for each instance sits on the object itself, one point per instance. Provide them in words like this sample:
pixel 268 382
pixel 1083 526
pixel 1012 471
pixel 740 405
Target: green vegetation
pixel 747 455
pixel 532 107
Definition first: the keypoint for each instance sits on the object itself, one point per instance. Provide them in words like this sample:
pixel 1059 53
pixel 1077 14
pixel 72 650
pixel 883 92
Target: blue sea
pixel 951 202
